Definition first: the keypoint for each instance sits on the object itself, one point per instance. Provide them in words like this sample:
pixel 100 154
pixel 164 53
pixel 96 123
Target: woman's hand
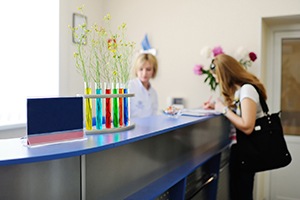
pixel 219 106
pixel 209 104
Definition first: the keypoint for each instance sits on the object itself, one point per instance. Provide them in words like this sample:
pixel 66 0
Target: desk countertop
pixel 13 151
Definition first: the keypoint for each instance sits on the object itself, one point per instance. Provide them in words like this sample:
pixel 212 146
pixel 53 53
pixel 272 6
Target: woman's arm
pixel 244 123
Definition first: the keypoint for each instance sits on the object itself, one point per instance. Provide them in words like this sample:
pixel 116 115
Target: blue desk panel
pixel 12 151
pixel 156 157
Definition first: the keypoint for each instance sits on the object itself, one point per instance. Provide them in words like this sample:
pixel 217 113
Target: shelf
pixel 97 96
pixel 109 130
pixel 175 180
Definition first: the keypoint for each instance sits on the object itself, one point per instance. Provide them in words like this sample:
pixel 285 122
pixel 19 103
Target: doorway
pixel 290 85
pixel 282 49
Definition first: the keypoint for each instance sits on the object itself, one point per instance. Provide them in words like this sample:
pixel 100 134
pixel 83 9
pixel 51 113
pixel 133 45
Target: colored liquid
pixel 98 110
pixel 121 91
pixel 108 110
pixel 126 112
pixel 115 109
pixel 88 110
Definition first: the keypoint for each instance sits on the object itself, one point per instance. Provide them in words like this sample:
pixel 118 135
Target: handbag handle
pixel 262 101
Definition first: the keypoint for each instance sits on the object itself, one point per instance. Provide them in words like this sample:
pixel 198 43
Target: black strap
pixel 262 101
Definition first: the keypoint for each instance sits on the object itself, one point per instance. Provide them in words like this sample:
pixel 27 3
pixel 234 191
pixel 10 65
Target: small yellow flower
pixel 122 26
pixel 115 73
pixel 107 17
pixel 81 8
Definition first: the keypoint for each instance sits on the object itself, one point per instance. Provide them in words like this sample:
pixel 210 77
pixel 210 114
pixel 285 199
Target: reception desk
pixel 161 158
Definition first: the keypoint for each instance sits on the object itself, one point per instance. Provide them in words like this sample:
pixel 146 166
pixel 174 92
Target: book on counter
pixel 198 112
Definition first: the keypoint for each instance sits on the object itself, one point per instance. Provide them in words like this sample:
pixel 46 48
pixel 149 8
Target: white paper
pixel 199 112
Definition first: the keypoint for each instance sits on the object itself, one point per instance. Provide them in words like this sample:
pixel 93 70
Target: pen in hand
pixel 209 104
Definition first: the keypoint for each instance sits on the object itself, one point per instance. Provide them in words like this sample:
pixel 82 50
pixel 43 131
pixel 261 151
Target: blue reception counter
pixel 154 160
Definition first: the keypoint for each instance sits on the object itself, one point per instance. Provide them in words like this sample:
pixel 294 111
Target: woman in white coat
pixel 145 101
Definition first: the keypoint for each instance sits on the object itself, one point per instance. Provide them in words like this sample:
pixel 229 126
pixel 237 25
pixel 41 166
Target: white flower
pixel 206 52
pixel 241 53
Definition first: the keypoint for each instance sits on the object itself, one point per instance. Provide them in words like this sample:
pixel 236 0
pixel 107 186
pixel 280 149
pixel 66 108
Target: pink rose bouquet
pixel 200 70
pixel 243 56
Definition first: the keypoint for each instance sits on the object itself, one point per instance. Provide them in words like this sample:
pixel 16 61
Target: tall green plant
pixel 102 55
pixel 82 55
pixel 125 51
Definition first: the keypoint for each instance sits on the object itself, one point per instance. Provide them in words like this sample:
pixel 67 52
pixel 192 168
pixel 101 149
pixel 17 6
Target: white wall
pixel 178 29
pixel 71 82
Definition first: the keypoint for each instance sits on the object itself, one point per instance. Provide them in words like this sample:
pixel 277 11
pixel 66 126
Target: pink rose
pixel 217 50
pixel 198 69
pixel 252 56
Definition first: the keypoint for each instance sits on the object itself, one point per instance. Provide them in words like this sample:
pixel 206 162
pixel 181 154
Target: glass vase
pixel 88 107
pixel 98 89
pixel 108 106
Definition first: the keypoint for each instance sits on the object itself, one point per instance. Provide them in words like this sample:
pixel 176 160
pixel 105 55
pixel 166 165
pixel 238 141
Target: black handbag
pixel 265 148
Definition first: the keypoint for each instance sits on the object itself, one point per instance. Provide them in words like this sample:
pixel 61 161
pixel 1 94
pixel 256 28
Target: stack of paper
pixel 199 112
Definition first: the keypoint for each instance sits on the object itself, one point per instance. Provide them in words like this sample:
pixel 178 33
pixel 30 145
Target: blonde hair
pixel 141 59
pixel 231 73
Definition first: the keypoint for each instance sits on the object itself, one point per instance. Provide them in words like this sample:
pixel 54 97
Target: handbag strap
pixel 262 101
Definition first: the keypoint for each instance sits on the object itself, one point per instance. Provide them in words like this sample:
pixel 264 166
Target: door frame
pixel 274 76
pixel 275 34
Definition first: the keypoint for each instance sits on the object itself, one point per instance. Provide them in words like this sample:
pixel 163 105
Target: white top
pixel 248 91
pixel 145 102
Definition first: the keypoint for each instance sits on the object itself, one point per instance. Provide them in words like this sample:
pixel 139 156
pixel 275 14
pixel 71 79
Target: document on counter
pixel 197 112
